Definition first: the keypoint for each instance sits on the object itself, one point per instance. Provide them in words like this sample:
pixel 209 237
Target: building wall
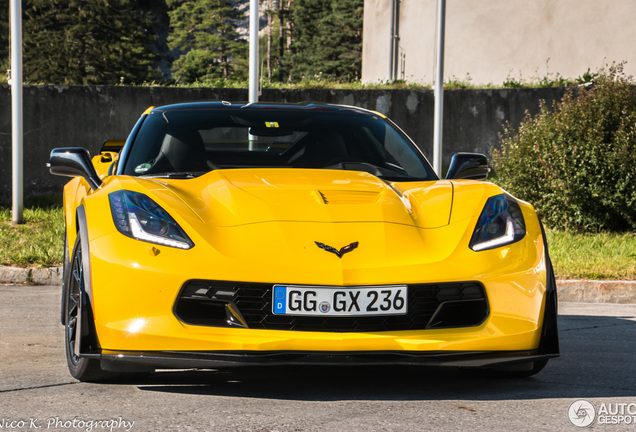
pixel 491 41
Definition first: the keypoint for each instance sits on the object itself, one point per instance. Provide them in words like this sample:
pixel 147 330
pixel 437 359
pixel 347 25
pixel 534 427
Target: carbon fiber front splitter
pixel 210 360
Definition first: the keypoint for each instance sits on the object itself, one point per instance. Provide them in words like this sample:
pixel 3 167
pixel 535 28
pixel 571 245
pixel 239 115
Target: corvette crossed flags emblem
pixel 333 250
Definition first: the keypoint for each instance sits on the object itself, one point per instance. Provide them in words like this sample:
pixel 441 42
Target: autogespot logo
pixel 582 413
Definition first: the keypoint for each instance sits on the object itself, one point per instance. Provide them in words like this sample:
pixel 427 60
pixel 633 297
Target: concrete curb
pixel 587 291
pixel 32 276
pixel 593 291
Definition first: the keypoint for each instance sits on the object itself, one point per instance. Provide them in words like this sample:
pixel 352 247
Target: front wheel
pixel 519 370
pixel 76 321
pixel 79 328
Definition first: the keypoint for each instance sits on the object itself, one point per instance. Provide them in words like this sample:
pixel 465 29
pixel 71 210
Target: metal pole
pixel 392 45
pixel 253 87
pixel 439 89
pixel 396 40
pixel 15 13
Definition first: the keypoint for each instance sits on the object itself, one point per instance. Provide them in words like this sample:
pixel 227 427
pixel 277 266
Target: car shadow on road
pixel 597 357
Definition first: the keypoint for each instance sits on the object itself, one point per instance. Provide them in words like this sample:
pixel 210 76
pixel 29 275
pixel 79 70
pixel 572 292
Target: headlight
pixel 501 223
pixel 137 216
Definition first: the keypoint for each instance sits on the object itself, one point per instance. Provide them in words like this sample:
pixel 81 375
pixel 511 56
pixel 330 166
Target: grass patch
pixel 39 242
pixel 609 256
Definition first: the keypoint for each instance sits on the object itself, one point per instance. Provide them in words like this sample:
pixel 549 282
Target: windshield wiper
pixel 175 175
pixel 392 172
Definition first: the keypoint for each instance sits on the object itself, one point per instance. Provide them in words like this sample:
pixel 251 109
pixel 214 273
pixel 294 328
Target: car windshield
pixel 187 143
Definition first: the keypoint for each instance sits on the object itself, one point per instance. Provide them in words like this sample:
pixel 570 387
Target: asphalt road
pixel 598 344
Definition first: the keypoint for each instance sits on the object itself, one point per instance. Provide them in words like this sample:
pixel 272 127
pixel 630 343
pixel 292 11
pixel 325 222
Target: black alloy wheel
pixel 76 321
pixel 79 328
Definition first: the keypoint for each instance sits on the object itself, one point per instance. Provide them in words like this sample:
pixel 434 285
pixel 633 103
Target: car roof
pixel 303 106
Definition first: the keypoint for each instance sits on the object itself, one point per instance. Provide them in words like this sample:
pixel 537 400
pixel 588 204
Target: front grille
pixel 221 303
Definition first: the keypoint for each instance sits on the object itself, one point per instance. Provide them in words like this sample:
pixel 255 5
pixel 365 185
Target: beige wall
pixel 490 41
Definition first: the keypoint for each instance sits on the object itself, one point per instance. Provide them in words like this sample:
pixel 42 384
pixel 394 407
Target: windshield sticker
pixel 142 168
pixel 271 124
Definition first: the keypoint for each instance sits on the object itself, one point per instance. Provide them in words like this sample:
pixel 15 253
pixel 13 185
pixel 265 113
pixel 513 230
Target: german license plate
pixel 339 301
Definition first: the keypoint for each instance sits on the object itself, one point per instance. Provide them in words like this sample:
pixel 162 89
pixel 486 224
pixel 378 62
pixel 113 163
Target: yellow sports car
pixel 226 234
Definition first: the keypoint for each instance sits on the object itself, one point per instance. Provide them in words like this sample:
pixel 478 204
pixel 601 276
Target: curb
pixel 584 291
pixel 593 291
pixel 32 276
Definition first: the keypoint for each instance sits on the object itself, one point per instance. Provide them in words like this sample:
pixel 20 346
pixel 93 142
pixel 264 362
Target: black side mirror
pixel 73 162
pixel 471 166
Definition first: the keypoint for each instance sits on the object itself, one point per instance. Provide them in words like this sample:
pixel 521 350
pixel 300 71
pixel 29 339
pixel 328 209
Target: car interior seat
pixel 182 151
pixel 322 149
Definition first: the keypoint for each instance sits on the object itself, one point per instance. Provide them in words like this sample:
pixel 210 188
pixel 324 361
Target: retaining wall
pixel 85 116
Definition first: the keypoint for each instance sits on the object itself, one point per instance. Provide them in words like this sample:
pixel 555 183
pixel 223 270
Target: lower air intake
pixel 249 305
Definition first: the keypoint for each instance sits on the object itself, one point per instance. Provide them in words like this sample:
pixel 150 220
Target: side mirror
pixel 471 166
pixel 73 162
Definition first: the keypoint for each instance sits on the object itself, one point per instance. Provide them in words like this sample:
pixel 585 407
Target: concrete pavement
pixel 38 394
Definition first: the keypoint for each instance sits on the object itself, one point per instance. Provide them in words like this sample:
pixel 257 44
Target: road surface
pixel 598 365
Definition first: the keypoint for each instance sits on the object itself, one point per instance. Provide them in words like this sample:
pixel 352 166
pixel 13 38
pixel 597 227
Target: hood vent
pixel 348 197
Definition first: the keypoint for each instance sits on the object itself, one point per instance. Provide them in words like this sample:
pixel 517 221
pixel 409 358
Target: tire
pixel 83 368
pixel 65 271
pixel 520 370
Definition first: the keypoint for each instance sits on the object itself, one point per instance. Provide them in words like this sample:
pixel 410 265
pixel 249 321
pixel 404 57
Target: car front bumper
pixel 520 296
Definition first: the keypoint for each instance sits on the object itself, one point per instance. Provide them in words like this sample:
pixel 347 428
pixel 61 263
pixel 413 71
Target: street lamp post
pixel 15 12
pixel 253 84
pixel 439 89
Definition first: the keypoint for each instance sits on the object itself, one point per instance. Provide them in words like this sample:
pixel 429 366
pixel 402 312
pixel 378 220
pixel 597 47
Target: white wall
pixel 490 41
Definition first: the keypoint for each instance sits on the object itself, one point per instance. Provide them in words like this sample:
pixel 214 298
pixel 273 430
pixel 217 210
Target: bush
pixel 576 161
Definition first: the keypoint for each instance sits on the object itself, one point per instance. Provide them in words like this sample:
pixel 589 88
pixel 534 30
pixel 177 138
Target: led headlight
pixel 501 223
pixel 137 216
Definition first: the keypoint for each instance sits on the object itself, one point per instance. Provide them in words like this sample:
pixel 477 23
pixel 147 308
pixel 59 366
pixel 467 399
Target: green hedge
pixel 576 160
